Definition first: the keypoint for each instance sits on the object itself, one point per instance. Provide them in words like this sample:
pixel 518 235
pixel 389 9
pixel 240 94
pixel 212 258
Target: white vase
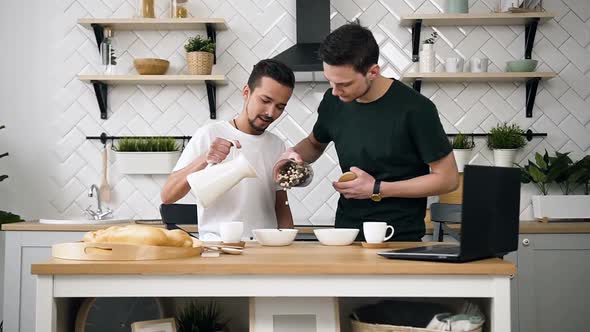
pixel 561 206
pixel 504 157
pixel 462 157
pixel 428 47
pixel 146 162
pixel 427 58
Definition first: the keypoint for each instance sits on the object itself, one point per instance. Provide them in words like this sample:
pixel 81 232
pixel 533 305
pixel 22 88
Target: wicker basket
pixel 199 63
pixel 366 327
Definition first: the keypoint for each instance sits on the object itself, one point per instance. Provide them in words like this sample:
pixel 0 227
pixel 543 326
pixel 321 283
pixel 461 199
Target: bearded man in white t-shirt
pixel 258 202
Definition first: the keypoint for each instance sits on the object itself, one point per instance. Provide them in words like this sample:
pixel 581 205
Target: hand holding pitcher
pixel 220 149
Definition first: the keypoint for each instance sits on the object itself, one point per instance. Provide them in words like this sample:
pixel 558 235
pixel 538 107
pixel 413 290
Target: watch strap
pixel 377 187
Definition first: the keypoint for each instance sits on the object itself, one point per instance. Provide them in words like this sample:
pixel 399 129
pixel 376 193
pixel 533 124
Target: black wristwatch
pixel 376 197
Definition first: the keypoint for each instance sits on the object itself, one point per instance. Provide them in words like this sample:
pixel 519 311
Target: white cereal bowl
pixel 336 236
pixel 275 237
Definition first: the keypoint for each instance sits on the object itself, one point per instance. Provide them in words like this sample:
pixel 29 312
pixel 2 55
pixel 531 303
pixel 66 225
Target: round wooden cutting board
pixel 120 251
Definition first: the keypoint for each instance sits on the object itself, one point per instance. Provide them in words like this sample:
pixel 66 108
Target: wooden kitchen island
pixel 300 270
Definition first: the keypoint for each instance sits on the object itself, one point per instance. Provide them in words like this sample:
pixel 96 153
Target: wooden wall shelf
pixel 155 23
pixel 529 20
pixel 154 79
pixel 193 23
pixel 101 82
pixel 476 19
pixel 531 79
pixel 477 77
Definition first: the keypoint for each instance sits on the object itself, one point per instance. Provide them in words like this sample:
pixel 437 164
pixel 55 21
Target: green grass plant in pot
pixel 152 155
pixel 199 55
pixel 505 140
pixel 201 317
pixel 462 149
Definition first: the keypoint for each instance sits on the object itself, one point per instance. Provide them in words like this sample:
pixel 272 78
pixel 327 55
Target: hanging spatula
pixel 105 189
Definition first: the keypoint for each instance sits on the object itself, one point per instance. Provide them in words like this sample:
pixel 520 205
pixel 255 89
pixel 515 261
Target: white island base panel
pixel 51 288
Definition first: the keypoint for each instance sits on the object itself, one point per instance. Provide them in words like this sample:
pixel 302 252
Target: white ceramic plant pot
pixel 561 206
pixel 504 157
pixel 147 162
pixel 462 157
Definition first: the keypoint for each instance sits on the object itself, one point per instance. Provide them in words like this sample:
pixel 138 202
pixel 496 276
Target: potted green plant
pixel 199 55
pixel 558 169
pixel 505 140
pixel 462 148
pixel 153 155
pixel 583 180
pixel 7 217
pixel 201 317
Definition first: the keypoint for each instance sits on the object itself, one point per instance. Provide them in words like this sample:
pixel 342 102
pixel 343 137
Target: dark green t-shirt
pixel 393 139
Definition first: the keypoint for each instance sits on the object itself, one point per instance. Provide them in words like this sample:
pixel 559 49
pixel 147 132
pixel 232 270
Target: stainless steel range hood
pixel 313 25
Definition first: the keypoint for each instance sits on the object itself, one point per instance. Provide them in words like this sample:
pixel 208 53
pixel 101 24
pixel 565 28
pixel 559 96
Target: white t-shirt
pixel 251 201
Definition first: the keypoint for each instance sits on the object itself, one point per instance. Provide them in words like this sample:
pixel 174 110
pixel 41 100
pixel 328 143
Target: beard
pixel 252 122
pixel 257 128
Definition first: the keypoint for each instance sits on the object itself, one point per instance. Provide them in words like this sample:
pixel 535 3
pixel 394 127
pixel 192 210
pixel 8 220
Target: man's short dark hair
pixel 274 69
pixel 350 44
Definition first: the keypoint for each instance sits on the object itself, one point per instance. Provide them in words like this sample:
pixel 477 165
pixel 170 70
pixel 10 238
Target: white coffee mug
pixel 231 232
pixel 454 65
pixel 375 231
pixel 479 65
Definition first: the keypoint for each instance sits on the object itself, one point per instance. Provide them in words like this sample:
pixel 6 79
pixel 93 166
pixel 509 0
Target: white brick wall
pixel 263 28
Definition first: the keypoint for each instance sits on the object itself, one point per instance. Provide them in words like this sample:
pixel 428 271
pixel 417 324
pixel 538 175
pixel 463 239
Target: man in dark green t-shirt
pixel 386 133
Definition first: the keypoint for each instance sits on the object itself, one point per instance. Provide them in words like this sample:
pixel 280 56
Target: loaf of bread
pixel 141 235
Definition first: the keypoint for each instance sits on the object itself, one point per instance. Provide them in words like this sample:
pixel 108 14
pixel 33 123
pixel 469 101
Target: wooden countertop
pixel 526 227
pixel 297 259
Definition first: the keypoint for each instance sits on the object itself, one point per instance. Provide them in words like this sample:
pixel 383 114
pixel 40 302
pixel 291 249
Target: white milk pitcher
pixel 214 180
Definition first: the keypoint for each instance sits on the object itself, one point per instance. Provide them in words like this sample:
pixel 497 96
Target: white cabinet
pixel 22 248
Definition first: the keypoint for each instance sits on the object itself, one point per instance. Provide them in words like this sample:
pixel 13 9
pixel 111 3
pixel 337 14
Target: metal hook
pixel 529 135
pixel 103 138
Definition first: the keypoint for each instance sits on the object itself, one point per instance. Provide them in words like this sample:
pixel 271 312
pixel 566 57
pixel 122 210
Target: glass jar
pixel 178 9
pixel 107 52
pixel 292 174
pixel 146 9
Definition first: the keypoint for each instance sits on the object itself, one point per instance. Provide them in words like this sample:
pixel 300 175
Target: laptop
pixel 489 219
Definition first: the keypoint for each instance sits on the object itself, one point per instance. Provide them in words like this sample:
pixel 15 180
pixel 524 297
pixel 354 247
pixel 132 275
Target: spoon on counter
pixel 232 250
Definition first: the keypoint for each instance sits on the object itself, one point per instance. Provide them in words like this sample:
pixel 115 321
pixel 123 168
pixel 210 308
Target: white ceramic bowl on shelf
pixel 274 237
pixel 336 236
